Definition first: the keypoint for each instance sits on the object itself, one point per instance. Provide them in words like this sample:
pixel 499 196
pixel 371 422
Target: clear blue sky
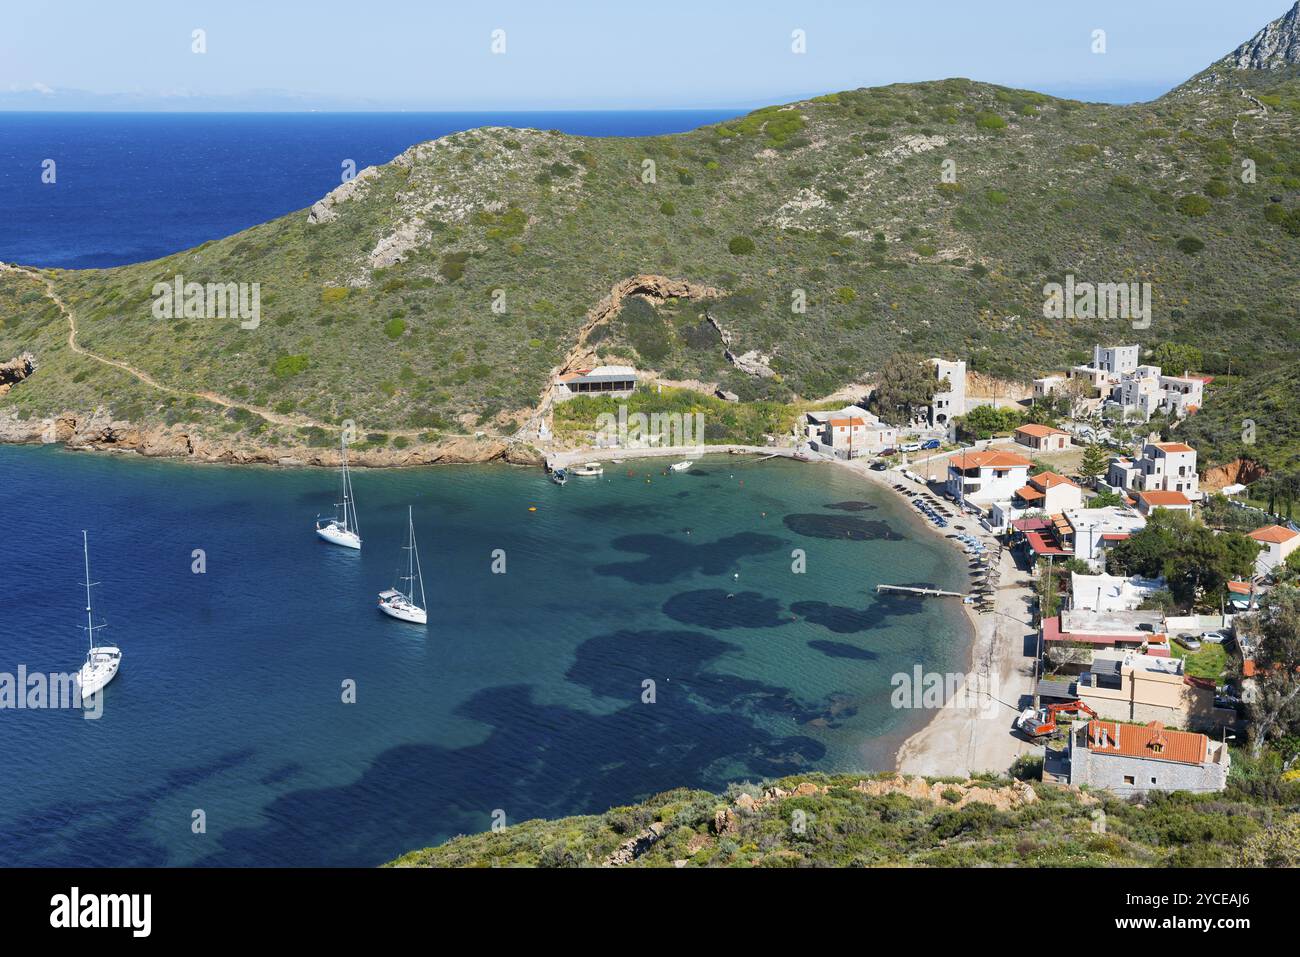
pixel 560 54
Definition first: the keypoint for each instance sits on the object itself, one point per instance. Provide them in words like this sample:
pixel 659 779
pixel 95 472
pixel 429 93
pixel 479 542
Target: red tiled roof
pixel 1239 588
pixel 989 459
pixel 1028 493
pixel 1154 741
pixel 1041 546
pixel 1273 534
pixel 1114 536
pixel 1046 480
pixel 1174 447
pixel 1040 431
pixel 1156 498
pixel 854 423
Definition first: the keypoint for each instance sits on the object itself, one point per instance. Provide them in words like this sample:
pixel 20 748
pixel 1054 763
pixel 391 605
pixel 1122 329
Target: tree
pixel 904 388
pixel 1104 499
pixel 1196 563
pixel 1275 709
pixel 1096 460
pixel 1175 359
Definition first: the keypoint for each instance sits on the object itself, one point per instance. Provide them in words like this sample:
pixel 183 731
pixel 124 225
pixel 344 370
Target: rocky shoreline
pixel 100 432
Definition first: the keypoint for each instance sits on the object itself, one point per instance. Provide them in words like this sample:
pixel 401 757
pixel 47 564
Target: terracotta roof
pixel 1154 741
pixel 1028 493
pixel 1239 588
pixel 1052 633
pixel 989 459
pixel 1174 447
pixel 1046 480
pixel 1157 497
pixel 1041 546
pixel 1040 431
pixel 835 423
pixel 1273 534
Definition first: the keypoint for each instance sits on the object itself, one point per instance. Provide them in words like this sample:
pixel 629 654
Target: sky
pixel 579 54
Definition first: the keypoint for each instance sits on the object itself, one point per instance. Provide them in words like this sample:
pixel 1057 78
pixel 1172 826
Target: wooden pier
pixel 930 592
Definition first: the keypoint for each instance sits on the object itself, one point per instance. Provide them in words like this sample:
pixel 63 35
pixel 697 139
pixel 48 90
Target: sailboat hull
pixel 100 668
pixel 404 612
pixel 337 535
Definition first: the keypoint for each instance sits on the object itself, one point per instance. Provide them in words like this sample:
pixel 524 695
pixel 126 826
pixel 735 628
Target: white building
pixel 949 403
pixel 986 476
pixel 1278 542
pixel 1045 493
pixel 1111 593
pixel 1146 390
pixel 1093 530
pixel 1115 360
pixel 1182 395
pixel 1164 466
pixel 1148 502
pixel 1048 386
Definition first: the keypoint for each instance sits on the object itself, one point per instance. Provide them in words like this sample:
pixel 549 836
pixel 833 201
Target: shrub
pixel 990 121
pixel 668 209
pixel 286 366
pixel 1190 245
pixel 741 245
pixel 1192 205
pixel 394 328
pixel 334 294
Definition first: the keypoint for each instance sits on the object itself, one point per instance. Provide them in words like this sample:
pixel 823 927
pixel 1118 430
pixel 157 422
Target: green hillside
pixel 379 308
pixel 816 820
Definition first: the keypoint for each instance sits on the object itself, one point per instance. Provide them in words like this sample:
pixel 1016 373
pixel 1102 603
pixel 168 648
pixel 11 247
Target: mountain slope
pixel 433 298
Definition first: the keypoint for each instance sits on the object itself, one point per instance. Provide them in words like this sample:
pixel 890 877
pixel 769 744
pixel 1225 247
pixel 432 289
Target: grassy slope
pixel 840 196
pixel 845 827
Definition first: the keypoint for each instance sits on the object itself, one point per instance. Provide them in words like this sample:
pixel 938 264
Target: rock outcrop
pixel 1275 46
pixel 16 370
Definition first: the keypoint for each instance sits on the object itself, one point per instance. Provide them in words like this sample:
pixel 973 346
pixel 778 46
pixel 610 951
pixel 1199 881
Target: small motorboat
pixel 591 468
pixel 680 466
pixel 559 476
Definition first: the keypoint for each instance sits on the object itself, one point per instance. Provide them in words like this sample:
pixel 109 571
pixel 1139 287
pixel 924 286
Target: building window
pixel 1153 780
pixel 1129 779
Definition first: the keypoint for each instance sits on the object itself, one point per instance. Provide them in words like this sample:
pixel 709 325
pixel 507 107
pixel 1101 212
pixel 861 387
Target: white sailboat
pixel 102 661
pixel 343 529
pixel 401 604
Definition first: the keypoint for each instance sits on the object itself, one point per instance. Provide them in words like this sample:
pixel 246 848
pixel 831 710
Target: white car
pixel 910 447
pixel 1214 637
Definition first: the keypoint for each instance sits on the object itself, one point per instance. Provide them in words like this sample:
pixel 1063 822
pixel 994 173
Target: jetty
pixel 909 589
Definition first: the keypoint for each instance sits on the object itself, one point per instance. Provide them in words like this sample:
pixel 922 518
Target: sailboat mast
pixel 410 554
pixel 90 623
pixel 415 558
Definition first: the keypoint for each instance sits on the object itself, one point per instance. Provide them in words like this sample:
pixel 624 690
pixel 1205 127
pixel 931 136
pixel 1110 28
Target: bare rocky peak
pixel 1277 45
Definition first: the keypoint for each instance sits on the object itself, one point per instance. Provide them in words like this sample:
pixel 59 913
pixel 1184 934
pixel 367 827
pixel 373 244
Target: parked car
pixel 879 466
pixel 1214 637
pixel 1188 642
pixel 910 447
pixel 930 444
pixel 889 451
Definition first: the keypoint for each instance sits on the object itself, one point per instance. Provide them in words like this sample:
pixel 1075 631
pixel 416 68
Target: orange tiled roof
pixel 1046 480
pixel 1028 493
pixel 1158 497
pixel 1040 431
pixel 1174 447
pixel 989 459
pixel 838 423
pixel 1239 588
pixel 1153 741
pixel 1273 534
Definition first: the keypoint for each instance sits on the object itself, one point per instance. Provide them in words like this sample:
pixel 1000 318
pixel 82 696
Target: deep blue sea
pixel 135 186
pixel 523 696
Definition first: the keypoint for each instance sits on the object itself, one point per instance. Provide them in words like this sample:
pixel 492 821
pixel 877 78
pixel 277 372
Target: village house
pixel 986 476
pixel 1042 438
pixel 849 433
pixel 1046 493
pixel 616 381
pixel 1048 386
pixel 1277 543
pixel 1087 632
pixel 1148 502
pixel 1115 360
pixel 1147 390
pixel 1164 466
pixel 1132 759
pixel 1088 532
pixel 1127 685
pixel 1110 592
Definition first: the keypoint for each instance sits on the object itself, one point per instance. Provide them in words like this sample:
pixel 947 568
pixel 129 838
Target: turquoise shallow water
pixel 525 693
